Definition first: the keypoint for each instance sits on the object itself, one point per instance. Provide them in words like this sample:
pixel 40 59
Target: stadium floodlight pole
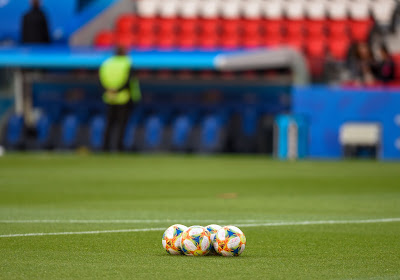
pixel 266 59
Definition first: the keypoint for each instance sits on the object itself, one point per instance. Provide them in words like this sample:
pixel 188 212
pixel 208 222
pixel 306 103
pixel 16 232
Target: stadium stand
pixel 184 41
pixel 234 24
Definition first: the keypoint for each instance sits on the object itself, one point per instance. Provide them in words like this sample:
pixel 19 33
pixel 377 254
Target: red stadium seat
pixel 251 27
pixel 146 41
pixel 126 40
pixel 252 41
pixel 294 27
pixel 166 41
pixel 209 41
pixel 360 30
pixel 210 26
pixel 296 42
pixel 230 41
pixel 126 23
pixel 338 27
pixel 316 47
pixel 339 46
pixel 272 27
pixel 231 26
pixel 147 25
pixel 315 27
pixel 187 40
pixel 273 41
pixel 188 25
pixel 167 26
pixel 104 38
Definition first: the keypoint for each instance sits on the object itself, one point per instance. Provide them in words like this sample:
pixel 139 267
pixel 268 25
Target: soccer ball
pixel 229 241
pixel 213 230
pixel 171 239
pixel 196 241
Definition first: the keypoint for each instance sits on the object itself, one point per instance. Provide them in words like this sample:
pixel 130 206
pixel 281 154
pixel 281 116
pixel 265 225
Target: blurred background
pixel 289 78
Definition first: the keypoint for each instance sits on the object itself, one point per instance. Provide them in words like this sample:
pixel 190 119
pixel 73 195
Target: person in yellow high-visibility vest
pixel 121 92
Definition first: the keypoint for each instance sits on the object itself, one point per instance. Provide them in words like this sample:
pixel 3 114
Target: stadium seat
pixel 126 40
pixel 169 8
pixel 145 41
pixel 316 47
pixel 188 26
pixel 296 42
pixel 272 28
pixel 211 137
pixel 147 26
pixel 126 23
pixel 360 30
pixel 209 26
pixel 338 27
pixel 359 9
pixel 315 9
pixel 180 139
pixel 153 134
pixel 69 132
pixel 315 27
pixel 148 8
pixel 252 27
pixel 130 140
pixel 209 41
pixel 230 41
pixel 294 9
pixel 43 130
pixel 96 132
pixel 167 26
pixel 209 9
pixel 252 41
pixel 383 11
pixel 272 10
pixel 339 46
pixel 14 132
pixel 272 41
pixel 189 8
pixel 251 9
pixel 104 38
pixel 337 9
pixel 231 27
pixel 230 9
pixel 294 27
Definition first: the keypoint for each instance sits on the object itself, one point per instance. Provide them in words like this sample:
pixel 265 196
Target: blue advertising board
pixel 327 108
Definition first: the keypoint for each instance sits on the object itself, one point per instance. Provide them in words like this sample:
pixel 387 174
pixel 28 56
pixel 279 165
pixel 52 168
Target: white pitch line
pixel 82 232
pixel 116 221
pixel 300 223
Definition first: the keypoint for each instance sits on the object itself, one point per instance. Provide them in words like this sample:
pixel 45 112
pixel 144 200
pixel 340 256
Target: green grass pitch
pixel 56 193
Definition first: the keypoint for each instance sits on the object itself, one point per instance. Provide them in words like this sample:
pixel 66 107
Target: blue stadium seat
pixel 211 135
pixel 130 136
pixel 181 133
pixel 96 134
pixel 153 133
pixel 43 129
pixel 69 131
pixel 250 118
pixel 15 132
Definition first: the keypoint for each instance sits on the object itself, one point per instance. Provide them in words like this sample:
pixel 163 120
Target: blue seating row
pixel 162 130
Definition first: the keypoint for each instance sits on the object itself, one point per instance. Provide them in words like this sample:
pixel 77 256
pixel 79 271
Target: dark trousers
pixel 117 118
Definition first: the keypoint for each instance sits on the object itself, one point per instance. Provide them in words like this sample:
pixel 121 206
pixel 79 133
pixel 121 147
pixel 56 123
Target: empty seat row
pixel 129 23
pixel 382 10
pixel 335 36
pixel 185 132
